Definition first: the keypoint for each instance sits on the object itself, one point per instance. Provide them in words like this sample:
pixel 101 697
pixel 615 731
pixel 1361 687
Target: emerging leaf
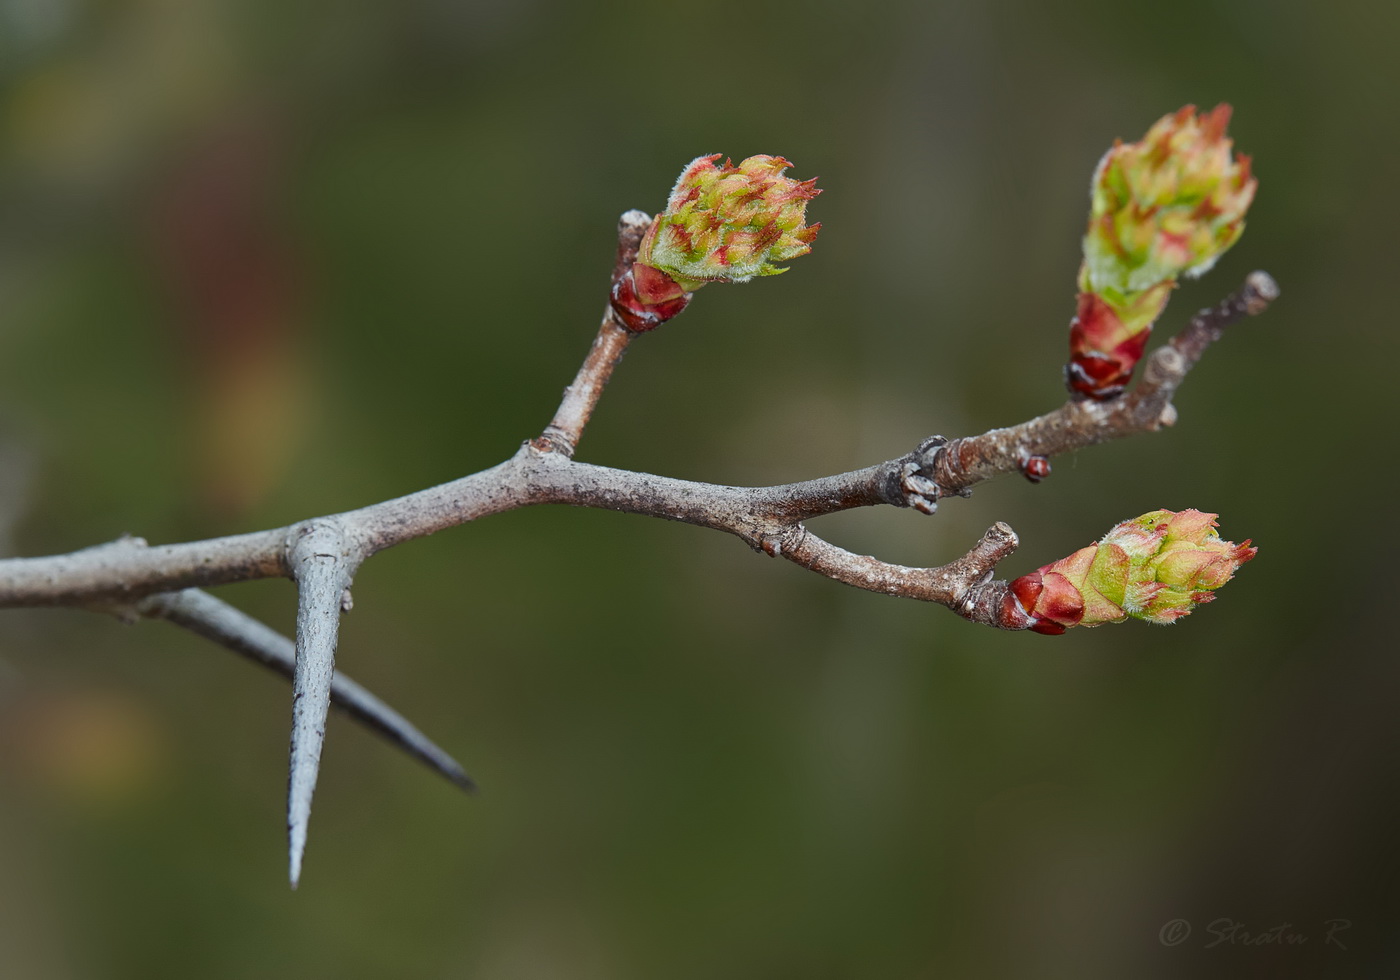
pixel 1156 567
pixel 721 224
pixel 1161 208
pixel 730 223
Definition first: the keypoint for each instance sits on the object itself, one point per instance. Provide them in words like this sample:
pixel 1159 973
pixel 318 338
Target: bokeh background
pixel 260 261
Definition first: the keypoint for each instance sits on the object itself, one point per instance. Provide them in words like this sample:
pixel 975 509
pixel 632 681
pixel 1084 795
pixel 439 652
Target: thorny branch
pixel 321 555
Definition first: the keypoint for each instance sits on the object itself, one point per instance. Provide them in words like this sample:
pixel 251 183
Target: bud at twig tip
pixel 726 223
pixel 1162 208
pixel 1157 567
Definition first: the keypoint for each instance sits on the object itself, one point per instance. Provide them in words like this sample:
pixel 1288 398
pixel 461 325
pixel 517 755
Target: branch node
pixel 930 448
pixel 920 492
pixel 552 440
pixel 917 487
pixel 771 542
pixel 976 596
pixel 975 568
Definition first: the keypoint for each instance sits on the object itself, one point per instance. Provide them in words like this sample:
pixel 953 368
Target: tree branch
pixel 1080 423
pixel 129 569
pixel 965 585
pixel 562 435
pixel 321 555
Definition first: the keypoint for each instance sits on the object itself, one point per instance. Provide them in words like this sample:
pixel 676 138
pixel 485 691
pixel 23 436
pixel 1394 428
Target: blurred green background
pixel 260 261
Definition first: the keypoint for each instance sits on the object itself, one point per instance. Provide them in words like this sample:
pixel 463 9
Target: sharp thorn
pixel 320 583
pixel 212 618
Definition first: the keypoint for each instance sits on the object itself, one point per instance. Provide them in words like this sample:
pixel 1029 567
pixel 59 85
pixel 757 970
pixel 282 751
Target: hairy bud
pixel 1167 206
pixel 1156 567
pixel 730 223
pixel 721 224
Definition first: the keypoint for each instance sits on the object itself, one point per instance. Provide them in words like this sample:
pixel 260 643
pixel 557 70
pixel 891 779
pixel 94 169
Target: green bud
pixel 1156 567
pixel 1167 206
pixel 730 223
pixel 1161 208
